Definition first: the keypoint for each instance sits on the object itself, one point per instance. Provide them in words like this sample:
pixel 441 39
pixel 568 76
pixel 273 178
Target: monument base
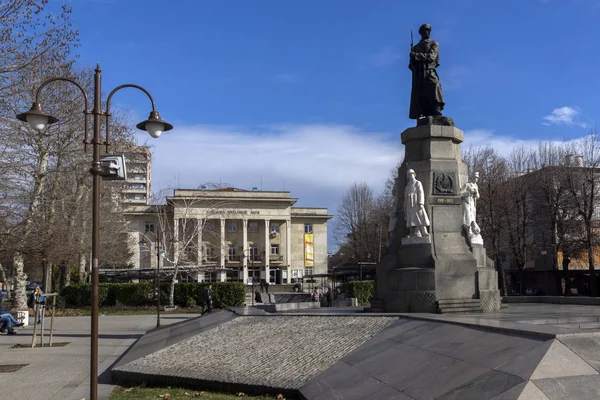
pixel 447 271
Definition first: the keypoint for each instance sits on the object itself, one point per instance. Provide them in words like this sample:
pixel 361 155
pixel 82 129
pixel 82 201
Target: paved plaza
pixel 527 351
pixel 62 373
pixel 524 352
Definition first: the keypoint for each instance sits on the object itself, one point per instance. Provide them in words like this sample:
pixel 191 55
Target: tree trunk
pixel 82 270
pixel 590 251
pixel 20 299
pixel 6 286
pixel 172 291
pixel 47 276
pixel 66 276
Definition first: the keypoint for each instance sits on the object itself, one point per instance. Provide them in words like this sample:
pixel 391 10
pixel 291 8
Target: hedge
pixel 187 294
pixel 364 291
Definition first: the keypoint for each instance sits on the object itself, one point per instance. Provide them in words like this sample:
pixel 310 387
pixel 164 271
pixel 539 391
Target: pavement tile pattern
pixel 517 355
pixel 282 352
pixel 425 360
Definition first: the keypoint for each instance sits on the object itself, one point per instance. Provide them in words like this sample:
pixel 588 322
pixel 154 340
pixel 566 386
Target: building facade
pixel 231 235
pixel 138 163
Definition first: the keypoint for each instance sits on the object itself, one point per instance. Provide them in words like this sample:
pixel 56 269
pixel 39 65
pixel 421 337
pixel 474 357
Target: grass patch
pixel 86 311
pixel 139 393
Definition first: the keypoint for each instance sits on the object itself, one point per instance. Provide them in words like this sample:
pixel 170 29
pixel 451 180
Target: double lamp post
pixel 39 120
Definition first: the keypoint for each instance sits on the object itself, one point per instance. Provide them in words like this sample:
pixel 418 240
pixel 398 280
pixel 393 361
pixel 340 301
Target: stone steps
pixel 459 306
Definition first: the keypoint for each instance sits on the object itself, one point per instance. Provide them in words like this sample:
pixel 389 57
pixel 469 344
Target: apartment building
pixel 136 189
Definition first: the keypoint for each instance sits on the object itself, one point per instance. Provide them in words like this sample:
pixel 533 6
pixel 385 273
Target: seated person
pixel 9 321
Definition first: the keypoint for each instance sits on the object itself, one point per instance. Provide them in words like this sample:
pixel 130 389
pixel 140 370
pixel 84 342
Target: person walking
pixel 208 298
pixel 39 300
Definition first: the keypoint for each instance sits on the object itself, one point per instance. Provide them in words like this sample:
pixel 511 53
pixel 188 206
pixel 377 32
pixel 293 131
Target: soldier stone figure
pixel 426 98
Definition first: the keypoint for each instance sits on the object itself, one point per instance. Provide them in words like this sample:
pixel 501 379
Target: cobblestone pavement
pixel 62 373
pixel 278 351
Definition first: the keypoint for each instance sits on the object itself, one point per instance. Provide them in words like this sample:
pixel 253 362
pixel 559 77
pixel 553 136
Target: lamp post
pixel 159 253
pixel 38 120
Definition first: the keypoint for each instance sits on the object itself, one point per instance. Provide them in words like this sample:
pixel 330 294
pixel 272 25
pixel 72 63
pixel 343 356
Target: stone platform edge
pixel 140 378
pixel 471 321
pixel 575 300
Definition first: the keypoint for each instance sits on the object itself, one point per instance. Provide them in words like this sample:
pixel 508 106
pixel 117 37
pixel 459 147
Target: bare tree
pixel 584 188
pixel 187 231
pixel 355 222
pixel 494 175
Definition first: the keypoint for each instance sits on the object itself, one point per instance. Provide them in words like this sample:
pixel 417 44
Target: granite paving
pixel 528 352
pixel 281 352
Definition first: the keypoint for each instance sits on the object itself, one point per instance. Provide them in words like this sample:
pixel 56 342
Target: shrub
pixel 364 291
pixel 81 295
pixel 228 294
pixel 187 294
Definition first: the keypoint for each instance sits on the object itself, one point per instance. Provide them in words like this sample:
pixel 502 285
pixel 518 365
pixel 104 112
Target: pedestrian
pixel 39 300
pixel 267 286
pixel 257 297
pixel 7 322
pixel 329 297
pixel 262 285
pixel 208 300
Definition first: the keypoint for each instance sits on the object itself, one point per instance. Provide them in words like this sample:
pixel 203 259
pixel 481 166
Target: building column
pixel 288 248
pixel 200 246
pixel 224 249
pixel 244 251
pixel 199 249
pixel 267 251
pixel 176 240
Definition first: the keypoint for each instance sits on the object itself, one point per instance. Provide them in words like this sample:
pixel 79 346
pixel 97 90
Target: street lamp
pixel 159 253
pixel 38 119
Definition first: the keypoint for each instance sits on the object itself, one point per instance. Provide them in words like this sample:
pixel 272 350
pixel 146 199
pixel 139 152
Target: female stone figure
pixel 470 194
pixel 414 207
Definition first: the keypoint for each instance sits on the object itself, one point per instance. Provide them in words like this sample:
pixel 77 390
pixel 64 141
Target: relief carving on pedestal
pixel 444 183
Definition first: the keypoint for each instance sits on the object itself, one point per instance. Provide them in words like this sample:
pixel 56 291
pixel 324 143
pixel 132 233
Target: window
pixel 210 226
pixel 149 227
pixel 254 252
pixel 231 252
pixel 297 273
pixel 274 249
pixel 208 252
pixel 308 271
pixel 308 228
pixel 253 227
pixel 274 227
pixel 232 227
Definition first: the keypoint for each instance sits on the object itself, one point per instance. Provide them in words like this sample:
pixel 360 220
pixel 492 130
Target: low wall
pixel 290 306
pixel 587 301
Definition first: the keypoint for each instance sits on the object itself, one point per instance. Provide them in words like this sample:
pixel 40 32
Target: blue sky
pixel 312 95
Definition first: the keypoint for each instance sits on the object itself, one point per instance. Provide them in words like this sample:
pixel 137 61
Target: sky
pixel 310 96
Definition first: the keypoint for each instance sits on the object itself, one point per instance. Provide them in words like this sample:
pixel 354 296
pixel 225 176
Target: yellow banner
pixel 308 250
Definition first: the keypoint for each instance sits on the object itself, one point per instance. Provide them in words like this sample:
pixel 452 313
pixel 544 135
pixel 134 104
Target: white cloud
pixel 564 116
pixel 317 163
pixel 503 144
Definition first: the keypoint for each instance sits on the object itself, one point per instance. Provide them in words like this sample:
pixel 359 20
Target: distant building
pixel 138 164
pixel 231 235
pixel 541 271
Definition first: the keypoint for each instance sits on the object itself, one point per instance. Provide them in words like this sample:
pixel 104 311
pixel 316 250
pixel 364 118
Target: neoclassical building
pixel 230 235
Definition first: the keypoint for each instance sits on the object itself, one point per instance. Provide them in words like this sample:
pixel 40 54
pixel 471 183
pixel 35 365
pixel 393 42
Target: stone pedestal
pixel 414 276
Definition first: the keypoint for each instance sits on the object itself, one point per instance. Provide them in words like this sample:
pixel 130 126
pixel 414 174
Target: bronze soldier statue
pixel 426 97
